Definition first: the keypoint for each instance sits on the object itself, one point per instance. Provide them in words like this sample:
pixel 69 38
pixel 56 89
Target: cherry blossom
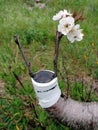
pixel 65 25
pixel 61 14
pixel 75 34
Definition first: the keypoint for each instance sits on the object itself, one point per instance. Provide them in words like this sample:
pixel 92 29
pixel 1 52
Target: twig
pixel 15 75
pixel 57 42
pixel 23 55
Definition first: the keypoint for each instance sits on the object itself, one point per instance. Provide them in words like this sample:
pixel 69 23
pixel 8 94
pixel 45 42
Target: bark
pixel 74 114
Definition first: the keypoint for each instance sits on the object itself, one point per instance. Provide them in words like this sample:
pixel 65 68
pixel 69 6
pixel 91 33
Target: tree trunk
pixel 74 114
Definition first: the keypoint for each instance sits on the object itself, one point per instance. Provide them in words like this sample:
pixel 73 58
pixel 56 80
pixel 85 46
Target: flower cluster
pixel 67 26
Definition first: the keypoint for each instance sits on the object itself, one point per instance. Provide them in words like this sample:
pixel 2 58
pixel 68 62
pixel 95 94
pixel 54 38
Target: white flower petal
pixel 66 13
pixel 77 26
pixel 68 20
pixel 65 25
pixel 58 16
pixel 61 14
pixel 75 34
pixel 62 29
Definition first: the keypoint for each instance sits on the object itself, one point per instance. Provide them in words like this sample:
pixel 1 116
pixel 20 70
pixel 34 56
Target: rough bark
pixel 77 115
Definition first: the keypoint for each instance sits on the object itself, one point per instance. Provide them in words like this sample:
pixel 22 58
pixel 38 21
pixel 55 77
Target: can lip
pixel 44 84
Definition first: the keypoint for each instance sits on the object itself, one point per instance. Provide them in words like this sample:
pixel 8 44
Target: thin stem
pixel 23 55
pixel 17 78
pixel 57 42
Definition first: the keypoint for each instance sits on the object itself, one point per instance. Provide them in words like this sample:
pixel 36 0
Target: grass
pixel 19 108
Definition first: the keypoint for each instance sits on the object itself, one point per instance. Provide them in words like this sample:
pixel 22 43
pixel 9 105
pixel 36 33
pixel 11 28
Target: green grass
pixel 36 30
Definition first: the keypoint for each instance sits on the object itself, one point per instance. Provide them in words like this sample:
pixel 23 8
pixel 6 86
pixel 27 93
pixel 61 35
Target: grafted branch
pixel 57 42
pixel 16 38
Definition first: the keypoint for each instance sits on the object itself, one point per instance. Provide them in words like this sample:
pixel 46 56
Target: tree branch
pixel 17 78
pixel 23 55
pixel 57 42
pixel 74 114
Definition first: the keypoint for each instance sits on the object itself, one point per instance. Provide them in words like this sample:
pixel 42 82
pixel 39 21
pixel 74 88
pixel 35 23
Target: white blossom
pixel 75 34
pixel 66 14
pixel 61 14
pixel 65 25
